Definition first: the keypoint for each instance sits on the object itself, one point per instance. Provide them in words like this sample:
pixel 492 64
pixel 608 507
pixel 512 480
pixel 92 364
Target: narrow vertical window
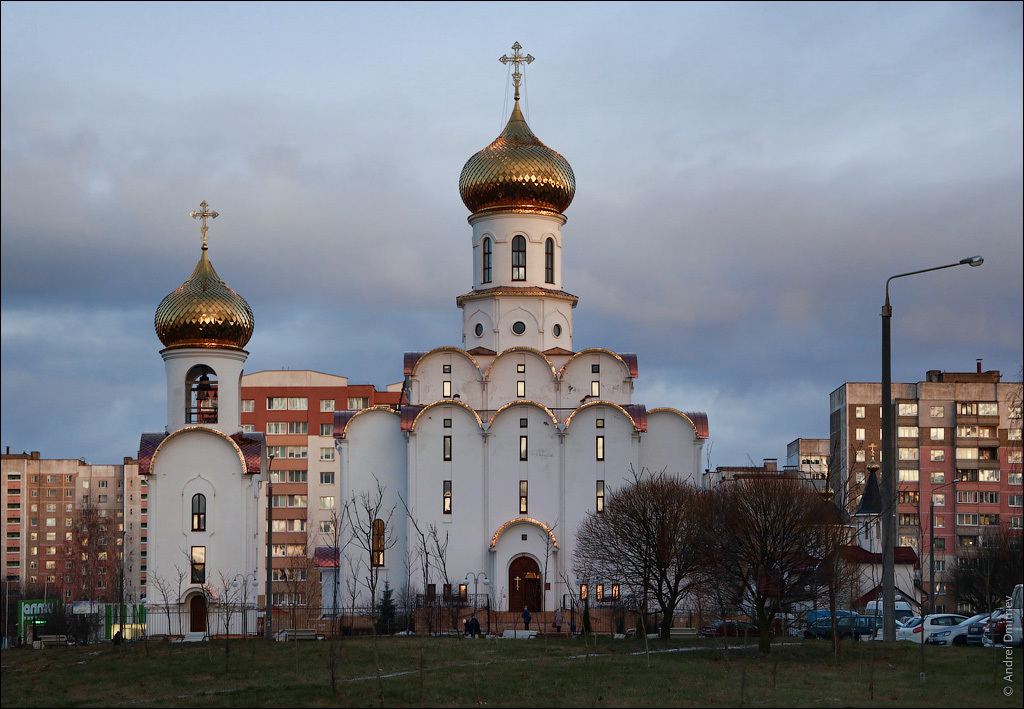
pixel 524 448
pixel 521 388
pixel 377 544
pixel 446 497
pixel 446 389
pixel 600 495
pixel 519 258
pixel 198 564
pixel 199 513
pixel 447 448
pixel 524 490
pixel 485 273
pixel 600 447
pixel 549 261
pixel 595 388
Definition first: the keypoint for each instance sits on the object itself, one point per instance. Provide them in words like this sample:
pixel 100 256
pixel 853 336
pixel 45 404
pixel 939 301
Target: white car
pixel 956 635
pixel 905 630
pixel 922 630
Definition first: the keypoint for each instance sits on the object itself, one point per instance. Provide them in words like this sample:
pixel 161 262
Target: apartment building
pixel 958 460
pixel 295 409
pixel 74 531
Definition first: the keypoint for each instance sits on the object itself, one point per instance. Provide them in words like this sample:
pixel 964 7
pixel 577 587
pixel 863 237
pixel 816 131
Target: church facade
pixel 508 440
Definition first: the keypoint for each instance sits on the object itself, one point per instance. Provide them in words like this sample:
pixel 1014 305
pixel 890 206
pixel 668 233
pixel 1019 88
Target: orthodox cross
pixel 204 213
pixel 516 60
pixel 872 446
pixel 517 580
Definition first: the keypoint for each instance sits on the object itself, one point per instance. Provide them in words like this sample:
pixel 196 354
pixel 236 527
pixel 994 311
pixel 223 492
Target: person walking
pixel 558 620
pixel 526 617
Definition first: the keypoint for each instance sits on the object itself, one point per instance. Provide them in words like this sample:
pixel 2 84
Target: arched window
pixel 201 388
pixel 377 553
pixel 549 261
pixel 199 513
pixel 519 258
pixel 486 271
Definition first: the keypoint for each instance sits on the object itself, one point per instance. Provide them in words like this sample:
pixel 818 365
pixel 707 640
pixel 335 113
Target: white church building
pixel 508 440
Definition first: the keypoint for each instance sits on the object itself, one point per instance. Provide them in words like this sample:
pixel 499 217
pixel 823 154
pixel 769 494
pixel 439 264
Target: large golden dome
pixel 517 172
pixel 204 312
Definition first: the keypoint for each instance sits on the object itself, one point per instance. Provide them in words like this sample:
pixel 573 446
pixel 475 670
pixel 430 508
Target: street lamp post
pixel 269 612
pixel 246 583
pixel 476 581
pixel 889 486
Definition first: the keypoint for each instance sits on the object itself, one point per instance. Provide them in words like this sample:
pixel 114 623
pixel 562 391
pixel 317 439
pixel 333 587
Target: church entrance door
pixel 524 584
pixel 197 614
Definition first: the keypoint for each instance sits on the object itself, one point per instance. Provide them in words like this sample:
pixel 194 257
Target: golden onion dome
pixel 204 312
pixel 517 172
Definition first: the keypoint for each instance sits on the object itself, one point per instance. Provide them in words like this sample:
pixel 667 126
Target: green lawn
pixel 457 672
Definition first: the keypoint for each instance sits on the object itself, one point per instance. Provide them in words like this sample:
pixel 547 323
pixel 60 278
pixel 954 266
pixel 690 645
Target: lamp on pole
pixel 269 613
pixel 888 454
pixel 246 584
pixel 476 581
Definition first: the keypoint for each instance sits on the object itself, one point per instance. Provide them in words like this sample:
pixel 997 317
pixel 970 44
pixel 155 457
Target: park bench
pixel 53 640
pixel 299 634
pixel 682 632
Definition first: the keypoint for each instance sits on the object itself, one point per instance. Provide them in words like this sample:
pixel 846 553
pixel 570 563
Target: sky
pixel 748 176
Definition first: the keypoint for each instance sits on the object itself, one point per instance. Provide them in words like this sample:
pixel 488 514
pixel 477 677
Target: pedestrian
pixel 465 627
pixel 526 617
pixel 558 620
pixel 474 627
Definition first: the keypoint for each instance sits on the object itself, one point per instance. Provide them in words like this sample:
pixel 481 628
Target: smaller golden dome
pixel 204 312
pixel 517 172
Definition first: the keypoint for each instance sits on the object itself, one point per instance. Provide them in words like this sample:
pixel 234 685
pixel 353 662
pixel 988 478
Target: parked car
pixel 930 624
pixel 731 629
pixel 905 630
pixel 994 629
pixel 902 609
pixel 976 629
pixel 855 627
pixel 956 635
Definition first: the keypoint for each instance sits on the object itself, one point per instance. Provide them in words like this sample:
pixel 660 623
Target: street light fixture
pixel 476 581
pixel 246 584
pixel 889 486
pixel 269 613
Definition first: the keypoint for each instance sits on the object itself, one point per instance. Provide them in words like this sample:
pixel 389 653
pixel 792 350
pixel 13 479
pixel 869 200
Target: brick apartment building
pixel 958 450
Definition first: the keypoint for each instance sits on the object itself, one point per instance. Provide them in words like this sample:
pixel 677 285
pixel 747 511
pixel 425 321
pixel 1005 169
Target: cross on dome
pixel 204 213
pixel 516 59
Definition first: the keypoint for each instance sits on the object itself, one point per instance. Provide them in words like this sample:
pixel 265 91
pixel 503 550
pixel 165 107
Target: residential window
pixel 199 513
pixel 198 564
pixel 298 427
pixel 858 412
pixel 909 497
pixel 276 428
pixel 1013 457
pixel 519 258
pixel 446 389
pixel 988 476
pixel 909 453
pixel 583 591
pixel 326 526
pixel 908 540
pixel 297 452
pixel 968 431
pixel 248 428
pixel 938 412
pixel 298 403
pixel 296 476
pixel 860 434
pixel 1015 478
pixel 327 429
pixel 989 498
pixel 967 475
pixel 521 388
pixel 595 388
pixel 940 545
pixel 485 276
pixel 910 520
pixel 378 543
pixel 327 502
pixel 861 456
pixel 446 497
pixel 327 478
pixel 969 519
pixel 358 403
pixel 907 432
pixel 939 499
pixel 937 455
pixel 524 448
pixel 600 496
pixel 988 408
pixel 966 409
pixel 524 489
pixel 1016 500
pixel 1016 522
pixel 967 497
pixel 447 448
pixel 1013 434
pixel 549 261
pixel 938 478
pixel 326 453
pixel 988 519
pixel 327 406
pixel 907 409
pixel 279 525
pixel 600 447
pixel 277 403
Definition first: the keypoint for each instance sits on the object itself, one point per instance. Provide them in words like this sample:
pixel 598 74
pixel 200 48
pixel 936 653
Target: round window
pixel 557 330
pixel 519 327
pixel 479 330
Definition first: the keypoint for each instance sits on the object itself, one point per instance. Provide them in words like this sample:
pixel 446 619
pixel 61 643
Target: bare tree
pixel 423 556
pixel 765 531
pixel 372 533
pixel 651 538
pixel 985 574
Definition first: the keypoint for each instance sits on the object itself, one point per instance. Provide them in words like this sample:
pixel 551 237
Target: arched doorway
pixel 524 584
pixel 197 614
